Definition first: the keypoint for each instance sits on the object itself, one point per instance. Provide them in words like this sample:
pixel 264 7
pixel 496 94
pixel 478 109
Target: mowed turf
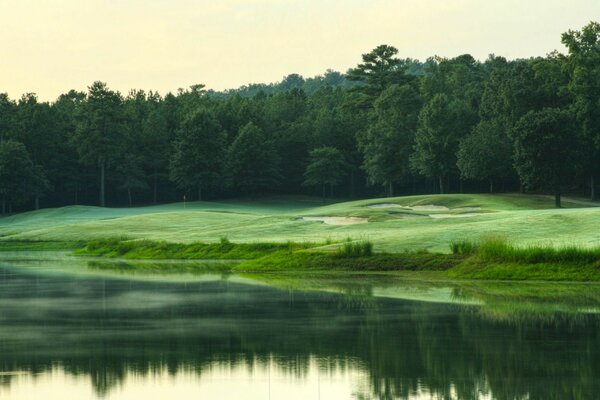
pixel 523 219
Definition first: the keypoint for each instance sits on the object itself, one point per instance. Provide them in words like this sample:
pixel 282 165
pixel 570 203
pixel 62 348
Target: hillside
pixel 393 224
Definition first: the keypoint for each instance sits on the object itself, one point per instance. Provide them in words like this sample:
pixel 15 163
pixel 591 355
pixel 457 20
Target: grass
pixel 497 258
pixel 319 261
pixel 353 249
pixel 552 243
pixel 161 250
pixel 40 246
pixel 525 218
pixel 492 258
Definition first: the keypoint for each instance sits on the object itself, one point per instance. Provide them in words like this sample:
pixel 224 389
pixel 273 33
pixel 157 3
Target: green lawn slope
pixel 526 219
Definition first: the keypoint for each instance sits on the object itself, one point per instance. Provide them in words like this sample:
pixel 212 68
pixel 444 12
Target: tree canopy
pixel 391 125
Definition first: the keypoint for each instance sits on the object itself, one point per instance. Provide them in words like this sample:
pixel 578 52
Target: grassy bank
pixel 497 259
pixel 160 250
pixel 489 259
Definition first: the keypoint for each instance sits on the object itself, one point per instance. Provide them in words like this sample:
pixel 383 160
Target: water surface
pixel 73 329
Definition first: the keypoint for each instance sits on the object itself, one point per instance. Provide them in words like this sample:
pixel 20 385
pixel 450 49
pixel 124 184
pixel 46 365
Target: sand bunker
pixel 428 207
pixel 465 215
pixel 337 220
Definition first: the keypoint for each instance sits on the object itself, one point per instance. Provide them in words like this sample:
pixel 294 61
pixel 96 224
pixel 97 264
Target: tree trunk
pixel 391 189
pixel 199 193
pixel 37 202
pixel 323 194
pixel 129 196
pixel 460 185
pixel 593 187
pixel 557 199
pixel 521 188
pixel 491 186
pixel 102 202
pixel 351 184
pixel 331 190
pixel 3 206
pixel 441 179
pixel 155 194
pixel 76 196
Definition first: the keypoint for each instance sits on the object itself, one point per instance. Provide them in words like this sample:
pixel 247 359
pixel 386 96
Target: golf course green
pixel 507 236
pixel 431 223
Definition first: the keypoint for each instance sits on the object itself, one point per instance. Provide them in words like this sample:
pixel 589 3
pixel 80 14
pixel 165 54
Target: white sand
pixel 430 208
pixel 337 220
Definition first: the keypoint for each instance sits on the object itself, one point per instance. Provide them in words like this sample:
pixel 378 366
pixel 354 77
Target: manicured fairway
pixel 525 219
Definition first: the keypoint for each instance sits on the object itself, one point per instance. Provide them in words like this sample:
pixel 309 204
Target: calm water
pixel 78 330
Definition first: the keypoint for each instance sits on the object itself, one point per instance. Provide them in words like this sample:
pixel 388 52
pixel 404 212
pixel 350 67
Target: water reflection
pixel 95 335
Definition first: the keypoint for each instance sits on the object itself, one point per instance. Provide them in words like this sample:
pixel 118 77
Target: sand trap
pixel 337 220
pixel 465 215
pixel 430 208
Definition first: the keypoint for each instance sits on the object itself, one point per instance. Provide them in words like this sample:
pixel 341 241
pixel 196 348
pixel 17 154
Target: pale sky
pixel 51 46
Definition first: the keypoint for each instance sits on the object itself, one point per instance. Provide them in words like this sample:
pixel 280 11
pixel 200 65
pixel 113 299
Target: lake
pixel 89 329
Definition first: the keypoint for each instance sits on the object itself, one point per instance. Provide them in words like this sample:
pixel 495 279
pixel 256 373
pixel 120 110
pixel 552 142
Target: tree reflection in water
pixel 111 328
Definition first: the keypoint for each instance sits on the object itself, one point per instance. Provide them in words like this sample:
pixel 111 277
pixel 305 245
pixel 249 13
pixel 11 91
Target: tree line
pixel 387 126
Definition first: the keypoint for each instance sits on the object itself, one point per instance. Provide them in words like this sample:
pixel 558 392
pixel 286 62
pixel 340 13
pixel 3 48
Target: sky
pixel 51 46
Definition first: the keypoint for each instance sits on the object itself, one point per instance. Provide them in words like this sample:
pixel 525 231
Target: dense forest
pixel 388 126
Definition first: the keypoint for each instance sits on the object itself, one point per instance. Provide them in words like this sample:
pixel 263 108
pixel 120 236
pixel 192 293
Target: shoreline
pixel 468 261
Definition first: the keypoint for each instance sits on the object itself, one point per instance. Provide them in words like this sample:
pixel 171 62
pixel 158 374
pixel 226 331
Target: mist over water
pixel 66 334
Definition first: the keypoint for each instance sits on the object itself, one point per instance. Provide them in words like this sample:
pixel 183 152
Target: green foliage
pixel 147 249
pixel 486 153
pixel 327 167
pixel 396 122
pixel 20 178
pixel 253 161
pixel 379 69
pixel 442 122
pixel 100 126
pixel 198 159
pixel 546 150
pixel 389 141
pixel 352 248
pixel 319 261
pixel 463 247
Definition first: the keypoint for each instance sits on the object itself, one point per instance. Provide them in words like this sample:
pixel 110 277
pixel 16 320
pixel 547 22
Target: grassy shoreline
pixel 487 259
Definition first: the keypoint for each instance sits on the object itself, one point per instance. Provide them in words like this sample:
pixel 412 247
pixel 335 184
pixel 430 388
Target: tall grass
pixel 498 249
pixel 360 248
